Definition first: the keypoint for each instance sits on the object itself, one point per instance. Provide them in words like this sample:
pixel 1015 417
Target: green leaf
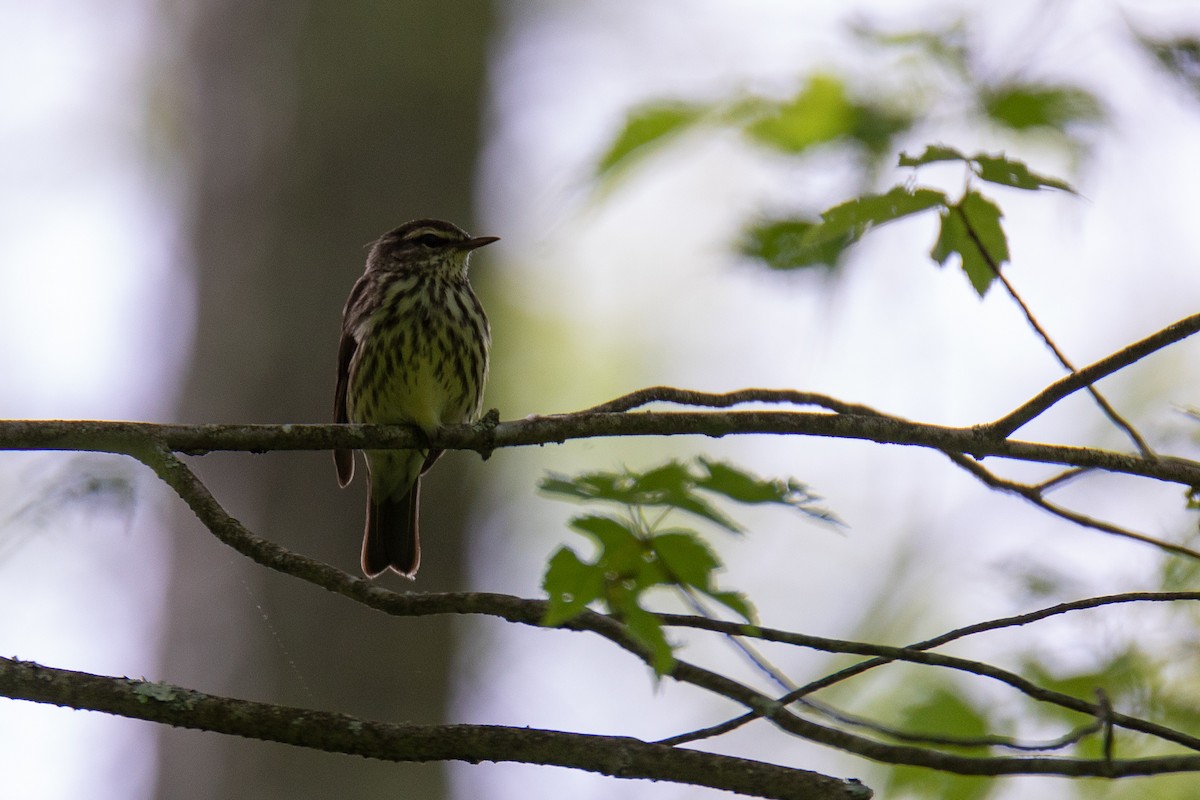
pixel 737 484
pixel 606 530
pixel 876 126
pixel 594 486
pixel 647 629
pixel 859 215
pixel 670 478
pixel 736 602
pixel 621 550
pixel 820 113
pixel 992 168
pixel 1010 172
pixel 1028 106
pixel 567 486
pixel 645 128
pixel 687 559
pixel 743 487
pixel 571 584
pixel 785 244
pixel 670 485
pixel 673 485
pixel 971 230
pixel 932 154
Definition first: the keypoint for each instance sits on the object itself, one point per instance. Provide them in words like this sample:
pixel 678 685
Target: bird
pixel 414 350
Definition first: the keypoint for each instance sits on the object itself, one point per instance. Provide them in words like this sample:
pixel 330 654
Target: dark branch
pixel 919 654
pixel 1092 373
pixel 135 438
pixel 1034 494
pixel 619 757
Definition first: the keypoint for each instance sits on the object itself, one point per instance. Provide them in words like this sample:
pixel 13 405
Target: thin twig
pixel 1033 494
pixel 1108 410
pixel 1068 385
pixel 760 662
pixel 917 653
pixel 1061 479
pixel 690 397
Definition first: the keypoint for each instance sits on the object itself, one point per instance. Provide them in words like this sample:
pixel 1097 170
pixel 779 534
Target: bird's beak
pixel 477 242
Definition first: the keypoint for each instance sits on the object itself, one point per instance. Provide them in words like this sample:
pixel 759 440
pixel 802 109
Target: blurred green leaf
pixel 1028 106
pixel 914 782
pixel 785 245
pixel 947 46
pixel 571 585
pixel 1010 172
pixel 971 230
pixel 634 555
pixel 939 711
pixel 1180 57
pixel 823 112
pixel 1122 676
pixel 686 558
pixel 647 629
pixel 645 128
pixel 620 548
pixel 669 478
pixel 744 487
pixel 671 485
pixel 943 713
pixel 876 127
pixel 820 113
pixel 736 602
pixel 932 154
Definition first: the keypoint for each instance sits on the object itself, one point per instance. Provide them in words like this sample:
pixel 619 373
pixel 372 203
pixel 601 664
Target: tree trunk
pixel 307 131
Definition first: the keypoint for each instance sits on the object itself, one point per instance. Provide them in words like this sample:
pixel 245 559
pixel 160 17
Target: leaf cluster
pixel 969 226
pixel 635 552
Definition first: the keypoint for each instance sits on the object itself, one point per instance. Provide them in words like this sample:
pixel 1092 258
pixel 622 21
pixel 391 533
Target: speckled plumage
pixel 414 350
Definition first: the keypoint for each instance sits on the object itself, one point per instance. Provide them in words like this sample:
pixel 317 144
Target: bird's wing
pixel 344 459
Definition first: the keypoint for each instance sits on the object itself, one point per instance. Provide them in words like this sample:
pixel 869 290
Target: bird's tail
pixel 392 538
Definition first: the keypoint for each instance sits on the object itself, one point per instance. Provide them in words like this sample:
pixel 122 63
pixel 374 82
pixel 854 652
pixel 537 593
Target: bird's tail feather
pixel 392 538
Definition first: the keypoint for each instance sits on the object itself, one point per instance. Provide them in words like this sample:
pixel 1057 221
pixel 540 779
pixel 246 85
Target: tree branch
pixel 619 757
pixel 132 438
pixel 1092 373
pixel 1034 494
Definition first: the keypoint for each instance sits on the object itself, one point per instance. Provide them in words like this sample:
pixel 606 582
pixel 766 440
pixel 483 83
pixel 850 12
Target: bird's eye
pixel 428 240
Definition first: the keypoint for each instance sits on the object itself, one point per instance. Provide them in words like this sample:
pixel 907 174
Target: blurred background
pixel 186 190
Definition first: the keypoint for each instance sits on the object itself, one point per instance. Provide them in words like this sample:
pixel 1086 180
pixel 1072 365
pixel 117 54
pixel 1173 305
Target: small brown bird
pixel 414 351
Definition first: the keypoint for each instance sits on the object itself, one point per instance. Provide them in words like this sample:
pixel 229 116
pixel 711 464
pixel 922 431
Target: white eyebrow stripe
pixel 438 232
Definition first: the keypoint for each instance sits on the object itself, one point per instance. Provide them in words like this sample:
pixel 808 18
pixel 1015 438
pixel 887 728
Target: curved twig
pixel 818 643
pixel 1034 495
